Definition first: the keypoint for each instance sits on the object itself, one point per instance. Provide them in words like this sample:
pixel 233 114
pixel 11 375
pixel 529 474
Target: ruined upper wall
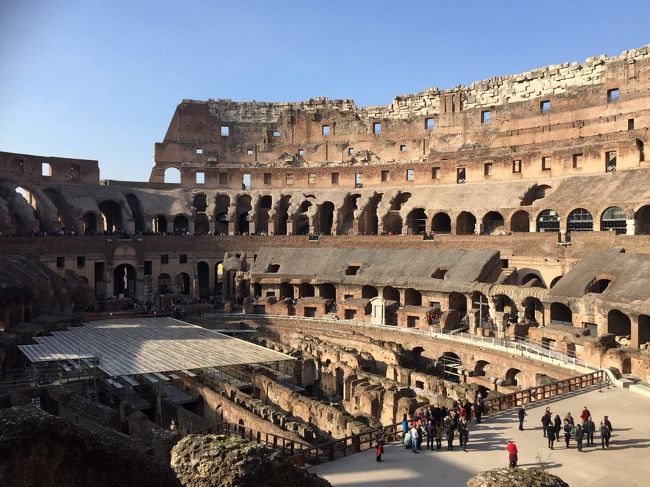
pixel 46 168
pixel 549 80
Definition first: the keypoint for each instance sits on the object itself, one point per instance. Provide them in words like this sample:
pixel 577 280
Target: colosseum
pixel 487 239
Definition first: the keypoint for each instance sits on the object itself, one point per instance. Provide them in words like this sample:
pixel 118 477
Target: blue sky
pixel 100 79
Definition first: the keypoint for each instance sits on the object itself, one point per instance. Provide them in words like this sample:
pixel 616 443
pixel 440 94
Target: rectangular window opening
pixel 516 166
pixel 164 259
pixel 358 183
pixel 351 151
pixel 546 163
pixel 577 161
pixel 273 268
pixel 60 262
pixel 376 128
pixel 246 181
pixel 402 148
pixel 311 178
pixel 81 261
pixel 630 124
pixel 223 178
pixel 545 106
pixel 352 270
pixel 385 176
pixel 435 173
pixel 182 258
pixel 610 161
pixel 410 174
pixel 289 179
pixel 200 178
pixel 267 178
pixel 613 94
pixel 335 178
pixel 460 175
pixel 225 131
pixel 301 152
pixel 485 116
pixel 326 130
pixel 199 151
pixel 487 169
pixel 429 123
pixel 276 133
pixel 46 169
pixel 249 152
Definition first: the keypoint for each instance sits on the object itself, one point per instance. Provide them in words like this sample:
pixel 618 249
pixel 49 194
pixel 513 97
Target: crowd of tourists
pixel 581 432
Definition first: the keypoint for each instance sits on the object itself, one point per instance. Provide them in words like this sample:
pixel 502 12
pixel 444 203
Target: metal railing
pixel 525 347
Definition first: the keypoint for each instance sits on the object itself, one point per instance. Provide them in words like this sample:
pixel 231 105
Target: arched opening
pixel 263 207
pixel 201 224
pixel 554 281
pixel 181 225
pixel 465 223
pixel 493 223
pixel 533 310
pixel 548 221
pixel 450 367
pixel 512 377
pixel 243 215
pixel 618 323
pixel 598 286
pixel 339 375
pixel 346 213
pixel 136 209
pixel 458 302
pixel 164 283
pixel 203 274
pixel 172 175
pixel 63 209
pixel 90 223
pixel 326 218
pixel 644 329
pixel 27 195
pixel 282 215
pixel 222 204
pixel 613 220
pixel 183 283
pixel 412 297
pixel 286 291
pixel 482 308
pixel 124 280
pixel 301 219
pixel 481 368
pixel 532 280
pixel 416 221
pixel 441 223
pixel 393 223
pixel 200 202
pixel 112 216
pixel 520 221
pixel 257 290
pixel 327 291
pixel 642 220
pixel 534 193
pixel 306 290
pixel 218 278
pixel 389 293
pixel 580 220
pixel 309 373
pixel 369 292
pixel 561 314
pixel 159 224
pixel 369 221
pixel 504 304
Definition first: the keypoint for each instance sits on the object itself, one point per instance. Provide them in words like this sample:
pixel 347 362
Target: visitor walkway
pixel 624 464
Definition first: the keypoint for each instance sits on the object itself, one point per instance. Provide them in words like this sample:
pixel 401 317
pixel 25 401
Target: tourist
pixel 567 432
pixel 431 433
pixel 407 439
pixel 557 426
pixel 569 418
pixel 414 438
pixel 579 435
pixel 521 414
pixel 547 419
pixel 512 454
pixel 478 408
pixel 463 433
pixel 468 410
pixel 438 434
pixel 420 431
pixel 552 436
pixel 589 428
pixel 585 415
pixel 605 432
pixel 379 446
pixel 405 425
pixel 449 433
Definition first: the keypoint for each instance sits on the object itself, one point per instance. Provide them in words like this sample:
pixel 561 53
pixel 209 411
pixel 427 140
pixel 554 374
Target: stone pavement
pixel 625 463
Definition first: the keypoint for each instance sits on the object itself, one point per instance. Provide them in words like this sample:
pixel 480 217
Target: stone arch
pixel 309 373
pixel 465 223
pixel 493 222
pixel 618 323
pixel 580 220
pixel 327 290
pixel 512 377
pixel 369 221
pixel 642 220
pixel 393 223
pixel 504 304
pixel 346 213
pixel 181 224
pixel 325 218
pixel 111 216
pixel 124 276
pixel 448 365
pixel 264 206
pixel 90 223
pixel 416 221
pixel 301 219
pixel 441 223
pixel 183 283
pixel 203 275
pixel 244 207
pixel 644 329
pixel 218 278
pixel 548 221
pixel 458 301
pixel 221 216
pixel 412 297
pixel 286 291
pixel 201 224
pixel 172 175
pixel 306 290
pixel 533 310
pixel 159 224
pixel 481 368
pixel 561 314
pixel 200 202
pixel 613 219
pixel 138 214
pixel 532 279
pixel 390 293
pixel 63 208
pixel 520 221
pixel 164 283
pixel 554 281
pixel 369 292
pixel 282 215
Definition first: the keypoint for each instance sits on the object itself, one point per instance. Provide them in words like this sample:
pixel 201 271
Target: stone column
pixel 290 226
pixel 634 331
pixel 630 227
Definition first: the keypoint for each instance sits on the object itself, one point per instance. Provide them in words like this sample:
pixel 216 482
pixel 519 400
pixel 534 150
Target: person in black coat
pixel 521 414
pixel 589 428
pixel 551 435
pixel 547 419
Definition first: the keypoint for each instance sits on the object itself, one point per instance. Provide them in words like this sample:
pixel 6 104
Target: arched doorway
pixel 124 276
pixel 282 215
pixel 465 223
pixel 218 278
pixel 441 223
pixel 201 224
pixel 306 290
pixel 164 283
pixel 389 293
pixel 112 216
pixel 520 221
pixel 328 291
pixel 90 223
pixel 136 209
pixel 449 366
pixel 613 219
pixel 533 310
pixel 263 207
pixel 369 292
pixel 181 225
pixel 286 291
pixel 203 274
pixel 548 221
pixel 642 220
pixel 222 205
pixel 183 283
pixel 159 224
pixel 172 175
pixel 243 215
pixel 458 302
pixel 512 376
pixel 492 223
pixel 301 219
pixel 326 218
pixel 561 314
pixel 393 223
pixel 481 368
pixel 412 297
pixel 618 323
pixel 416 221
pixel 580 220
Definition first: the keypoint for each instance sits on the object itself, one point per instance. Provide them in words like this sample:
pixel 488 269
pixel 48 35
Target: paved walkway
pixel 625 463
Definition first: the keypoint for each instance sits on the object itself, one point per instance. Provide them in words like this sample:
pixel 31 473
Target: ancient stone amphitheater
pixel 488 237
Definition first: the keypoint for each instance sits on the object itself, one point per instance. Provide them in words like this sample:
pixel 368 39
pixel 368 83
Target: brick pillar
pixel 289 227
pixel 634 331
pixel 630 227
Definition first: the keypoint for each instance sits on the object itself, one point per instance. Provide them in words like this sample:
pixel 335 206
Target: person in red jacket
pixel 512 454
pixel 584 415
